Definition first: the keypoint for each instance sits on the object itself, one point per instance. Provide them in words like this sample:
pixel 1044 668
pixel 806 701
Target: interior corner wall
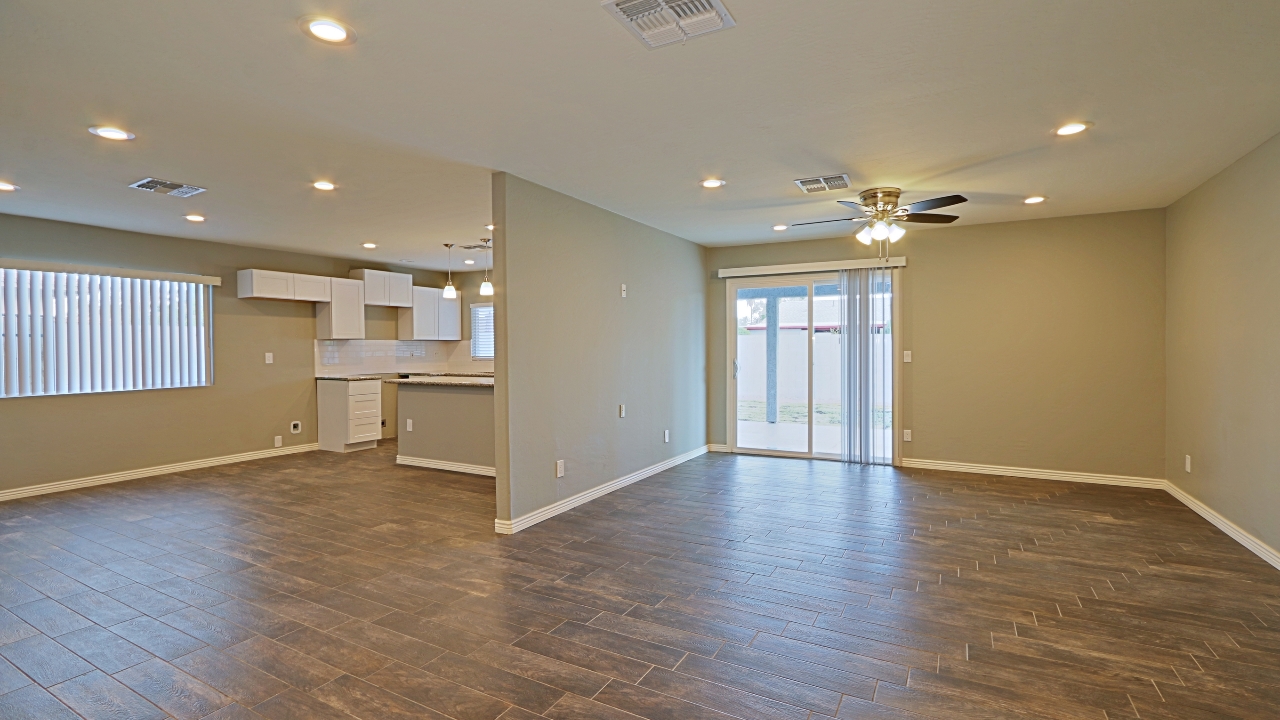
pixel 1036 344
pixel 1223 329
pixel 571 349
pixel 48 439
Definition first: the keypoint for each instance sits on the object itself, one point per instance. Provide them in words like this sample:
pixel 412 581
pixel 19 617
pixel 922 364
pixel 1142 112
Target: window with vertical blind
pixel 70 332
pixel 482 331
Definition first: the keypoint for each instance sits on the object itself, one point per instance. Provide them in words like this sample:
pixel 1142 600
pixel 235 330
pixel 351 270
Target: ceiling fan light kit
pixel 881 213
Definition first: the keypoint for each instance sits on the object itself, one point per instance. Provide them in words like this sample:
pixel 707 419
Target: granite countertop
pixel 451 374
pixel 350 378
pixel 450 381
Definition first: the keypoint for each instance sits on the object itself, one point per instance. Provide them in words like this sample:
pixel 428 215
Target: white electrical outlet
pixel 1188 464
pixel 408 425
pixel 624 290
pixel 279 441
pixel 559 468
pixel 906 356
pixel 906 436
pixel 666 436
pixel 271 358
pixel 295 427
pixel 622 411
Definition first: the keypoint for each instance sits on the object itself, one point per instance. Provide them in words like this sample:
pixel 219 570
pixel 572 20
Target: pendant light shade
pixel 895 233
pixel 486 288
pixel 864 236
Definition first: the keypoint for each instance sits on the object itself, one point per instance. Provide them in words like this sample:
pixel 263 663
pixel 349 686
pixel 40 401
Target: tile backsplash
pixel 367 357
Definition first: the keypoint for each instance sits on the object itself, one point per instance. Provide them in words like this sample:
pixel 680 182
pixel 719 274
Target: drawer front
pixel 364 387
pixel 364 406
pixel 364 429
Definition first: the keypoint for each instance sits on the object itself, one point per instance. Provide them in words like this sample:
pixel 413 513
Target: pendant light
pixel 449 291
pixel 486 287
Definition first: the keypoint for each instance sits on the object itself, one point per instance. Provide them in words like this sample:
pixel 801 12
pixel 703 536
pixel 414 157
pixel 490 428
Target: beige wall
pixel 1036 344
pixel 1224 342
pixel 47 439
pixel 571 349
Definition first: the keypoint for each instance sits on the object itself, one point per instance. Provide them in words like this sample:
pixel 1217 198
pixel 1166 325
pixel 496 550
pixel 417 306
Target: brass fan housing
pixel 881 200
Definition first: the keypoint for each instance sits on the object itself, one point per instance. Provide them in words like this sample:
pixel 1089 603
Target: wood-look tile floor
pixel 325 586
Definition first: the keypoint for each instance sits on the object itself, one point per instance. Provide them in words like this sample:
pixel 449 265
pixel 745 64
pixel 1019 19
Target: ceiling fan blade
pixel 850 204
pixel 938 202
pixel 934 219
pixel 819 222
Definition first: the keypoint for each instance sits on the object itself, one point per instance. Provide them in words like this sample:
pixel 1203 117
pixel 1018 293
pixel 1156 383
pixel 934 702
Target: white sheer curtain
pixel 866 365
pixel 63 333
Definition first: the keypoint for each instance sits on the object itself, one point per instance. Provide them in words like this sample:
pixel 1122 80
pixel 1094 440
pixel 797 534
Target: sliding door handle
pixel 735 368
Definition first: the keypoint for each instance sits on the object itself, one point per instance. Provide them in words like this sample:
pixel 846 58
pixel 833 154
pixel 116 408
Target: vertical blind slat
pixel 63 333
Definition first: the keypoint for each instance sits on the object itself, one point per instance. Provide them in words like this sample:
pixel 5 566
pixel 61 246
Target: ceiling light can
pixel 711 183
pixel 1034 199
pixel 194 218
pixel 327 30
pixel 1073 128
pixel 779 228
pixel 323 185
pixel 111 133
pixel 368 246
pixel 488 227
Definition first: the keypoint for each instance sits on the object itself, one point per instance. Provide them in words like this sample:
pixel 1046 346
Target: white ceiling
pixel 935 97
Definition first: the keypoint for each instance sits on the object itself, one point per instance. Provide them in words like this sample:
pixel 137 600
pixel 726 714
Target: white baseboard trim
pixel 445 465
pixel 1125 480
pixel 1235 532
pixel 510 527
pixel 64 485
pixel 718 448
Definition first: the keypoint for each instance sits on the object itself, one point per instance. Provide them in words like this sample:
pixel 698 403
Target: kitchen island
pixel 445 422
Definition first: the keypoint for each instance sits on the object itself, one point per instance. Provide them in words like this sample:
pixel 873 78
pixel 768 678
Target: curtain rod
pixel 813 267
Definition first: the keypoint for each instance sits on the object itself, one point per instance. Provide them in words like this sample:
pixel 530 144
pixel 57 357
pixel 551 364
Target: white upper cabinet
pixel 342 318
pixel 422 321
pixel 450 327
pixel 385 288
pixel 264 284
pixel 313 288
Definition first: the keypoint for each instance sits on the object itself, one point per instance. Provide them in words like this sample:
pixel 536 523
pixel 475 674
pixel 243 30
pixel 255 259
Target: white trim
pixel 1067 476
pixel 1235 532
pixel 41 266
pixel 63 485
pixel 812 267
pixel 445 465
pixel 510 527
pixel 717 448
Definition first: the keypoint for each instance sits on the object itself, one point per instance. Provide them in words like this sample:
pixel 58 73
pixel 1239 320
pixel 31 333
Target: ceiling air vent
pixel 662 22
pixel 822 184
pixel 164 187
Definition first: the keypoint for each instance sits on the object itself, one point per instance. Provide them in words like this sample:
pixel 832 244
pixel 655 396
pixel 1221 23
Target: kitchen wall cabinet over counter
pixel 386 288
pixel 350 414
pixel 342 318
pixel 432 317
pixel 272 285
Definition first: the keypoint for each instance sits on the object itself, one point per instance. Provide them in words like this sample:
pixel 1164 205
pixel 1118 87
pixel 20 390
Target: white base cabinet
pixel 350 414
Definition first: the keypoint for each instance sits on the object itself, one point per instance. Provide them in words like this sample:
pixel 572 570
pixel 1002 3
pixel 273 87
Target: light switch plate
pixel 624 290
pixel 559 468
pixel 622 411
pixel 408 425
pixel 906 436
pixel 271 358
pixel 279 441
pixel 906 356
pixel 1188 464
pixel 666 436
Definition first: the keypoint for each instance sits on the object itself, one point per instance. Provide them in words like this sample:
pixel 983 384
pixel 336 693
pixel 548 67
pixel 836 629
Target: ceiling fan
pixel 881 213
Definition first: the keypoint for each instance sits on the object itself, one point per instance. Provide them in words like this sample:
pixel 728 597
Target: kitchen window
pixel 482 331
pixel 64 333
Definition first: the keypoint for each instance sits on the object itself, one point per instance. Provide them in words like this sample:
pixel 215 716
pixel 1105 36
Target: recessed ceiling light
pixel 111 133
pixel 713 183
pixel 369 246
pixel 1073 128
pixel 488 227
pixel 194 218
pixel 1033 200
pixel 469 261
pixel 8 187
pixel 779 228
pixel 327 30
pixel 323 185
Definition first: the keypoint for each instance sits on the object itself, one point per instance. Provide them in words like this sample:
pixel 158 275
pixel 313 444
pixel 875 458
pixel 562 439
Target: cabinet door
pixel 311 287
pixel 264 284
pixel 399 290
pixel 451 318
pixel 375 285
pixel 426 313
pixel 342 318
